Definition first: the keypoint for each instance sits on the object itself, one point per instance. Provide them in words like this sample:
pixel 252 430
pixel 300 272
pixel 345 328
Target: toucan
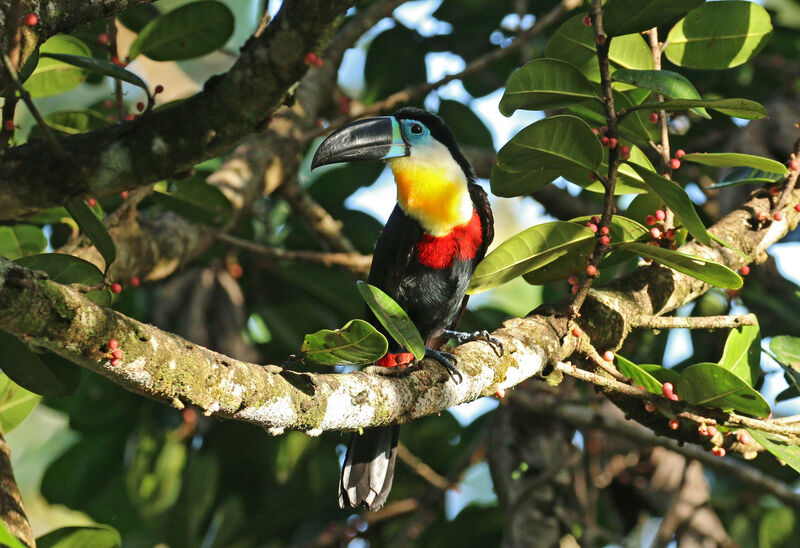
pixel 424 258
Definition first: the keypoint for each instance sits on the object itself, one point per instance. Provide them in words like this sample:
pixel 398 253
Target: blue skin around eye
pixel 414 138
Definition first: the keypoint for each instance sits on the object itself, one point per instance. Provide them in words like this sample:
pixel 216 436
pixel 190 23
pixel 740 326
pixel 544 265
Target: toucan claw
pixel 446 360
pixel 483 335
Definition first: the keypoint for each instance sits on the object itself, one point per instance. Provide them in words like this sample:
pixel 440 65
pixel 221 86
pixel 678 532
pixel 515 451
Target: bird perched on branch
pixel 436 235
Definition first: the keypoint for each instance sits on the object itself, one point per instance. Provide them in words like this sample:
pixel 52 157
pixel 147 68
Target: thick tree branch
pixel 698 322
pixel 12 512
pixel 172 140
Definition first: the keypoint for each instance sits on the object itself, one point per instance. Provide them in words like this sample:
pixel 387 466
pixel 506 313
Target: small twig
pixel 703 322
pixel 657 48
pixel 598 360
pixel 791 180
pixel 112 36
pixel 355 262
pixel 421 469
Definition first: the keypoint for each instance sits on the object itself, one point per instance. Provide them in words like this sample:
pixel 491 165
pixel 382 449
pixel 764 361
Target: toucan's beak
pixel 377 138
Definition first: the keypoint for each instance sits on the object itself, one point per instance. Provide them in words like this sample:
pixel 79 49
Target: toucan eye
pixel 416 129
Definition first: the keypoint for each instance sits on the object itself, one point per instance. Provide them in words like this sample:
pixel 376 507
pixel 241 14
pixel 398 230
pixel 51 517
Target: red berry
pixel 605 240
pixel 650 407
pixel 140 106
pixel 92 202
pixel 653 118
pixel 625 152
pixel 718 451
pixel 159 88
pixel 592 176
pixel 612 142
pixel 608 356
pixel 797 207
pixel 774 190
pixel 650 220
pixel 108 103
pixel 603 129
pixel 761 216
pixel 794 164
pixel 745 270
pixel 115 287
pixel 577 332
pixel 124 194
pixel 702 429
pixel 655 232
pixel 660 215
pixel 604 230
pixel 318 62
pixel 595 131
pixel 501 393
pixel 674 424
pixel 673 397
pixel 130 117
pixel 117 354
pixel 575 289
pixel 135 281
pixel 344 104
pixel 103 39
pixel 31 19
pixel 591 226
pixel 670 235
pixel 744 437
pixel 8 125
pixel 587 21
pixel 591 270
pixel 680 153
pixel 573 280
pixel 116 61
pixel 604 141
pixel 712 430
pixel 674 163
pixel 113 344
pixel 595 219
pixel 115 362
pixel 778 216
pixel 601 40
pixel 667 388
pixel 310 58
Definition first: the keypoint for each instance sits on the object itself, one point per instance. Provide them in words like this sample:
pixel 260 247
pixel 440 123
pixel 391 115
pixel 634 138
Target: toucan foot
pixel 446 360
pixel 484 335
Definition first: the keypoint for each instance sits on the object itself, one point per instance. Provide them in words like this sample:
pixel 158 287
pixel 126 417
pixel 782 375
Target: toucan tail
pixel 368 468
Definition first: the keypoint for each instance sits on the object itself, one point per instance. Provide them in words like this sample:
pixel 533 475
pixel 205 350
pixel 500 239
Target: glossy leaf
pixel 30 65
pixel 574 43
pixel 51 76
pixel 99 66
pixel 545 84
pixel 19 240
pixel 786 452
pixel 393 318
pixel 742 353
pixel 639 375
pixel 190 31
pixel 747 175
pixel 660 373
pixel 94 229
pixel 67 269
pixel 629 16
pixel 621 229
pixel 558 143
pixel 787 350
pixel 25 368
pixel 664 82
pixel 735 159
pixel 635 126
pixel 137 18
pixel 153 478
pixel 740 108
pixel 16 404
pixel 96 536
pixel 675 197
pixel 530 249
pixel 628 181
pixel 719 35
pixel 394 59
pixel 710 385
pixel 468 128
pixel 697 267
pixel 357 343
pixel 507 183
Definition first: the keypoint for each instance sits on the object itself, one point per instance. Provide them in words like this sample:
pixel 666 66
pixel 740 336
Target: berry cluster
pixel 669 391
pixel 313 59
pixel 114 352
pixel 662 236
pixel 612 142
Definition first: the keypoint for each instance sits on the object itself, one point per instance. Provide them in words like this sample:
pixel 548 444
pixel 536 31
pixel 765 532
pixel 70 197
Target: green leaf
pixel 621 229
pixel 190 31
pixel 507 183
pixel 468 128
pixel 153 478
pixel 735 159
pixel 574 43
pixel 67 269
pixel 19 240
pixel 675 197
pixel 393 318
pixel 697 267
pixel 545 84
pixel 786 452
pixel 635 126
pixel 628 181
pixel 357 343
pixel 51 76
pixel 639 375
pixel 30 65
pixel 290 453
pixel 25 368
pixel 196 200
pixel 99 66
pixel 94 536
pixel 665 82
pixel 742 353
pixel 137 18
pixel 710 385
pixel 719 35
pixel 16 404
pixel 629 16
pixel 559 143
pixel 94 229
pixel 70 122
pixel 776 528
pixel 395 58
pixel 8 539
pixel 787 350
pixel 529 250
pixel 747 175
pixel 739 108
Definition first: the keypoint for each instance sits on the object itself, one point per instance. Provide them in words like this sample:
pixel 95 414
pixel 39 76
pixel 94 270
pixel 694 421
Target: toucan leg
pixel 484 335
pixel 446 360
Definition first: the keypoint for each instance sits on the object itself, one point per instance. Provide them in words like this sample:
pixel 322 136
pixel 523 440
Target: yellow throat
pixel 436 196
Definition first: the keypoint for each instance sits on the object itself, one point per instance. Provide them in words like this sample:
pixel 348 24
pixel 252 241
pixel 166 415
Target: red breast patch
pixel 462 242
